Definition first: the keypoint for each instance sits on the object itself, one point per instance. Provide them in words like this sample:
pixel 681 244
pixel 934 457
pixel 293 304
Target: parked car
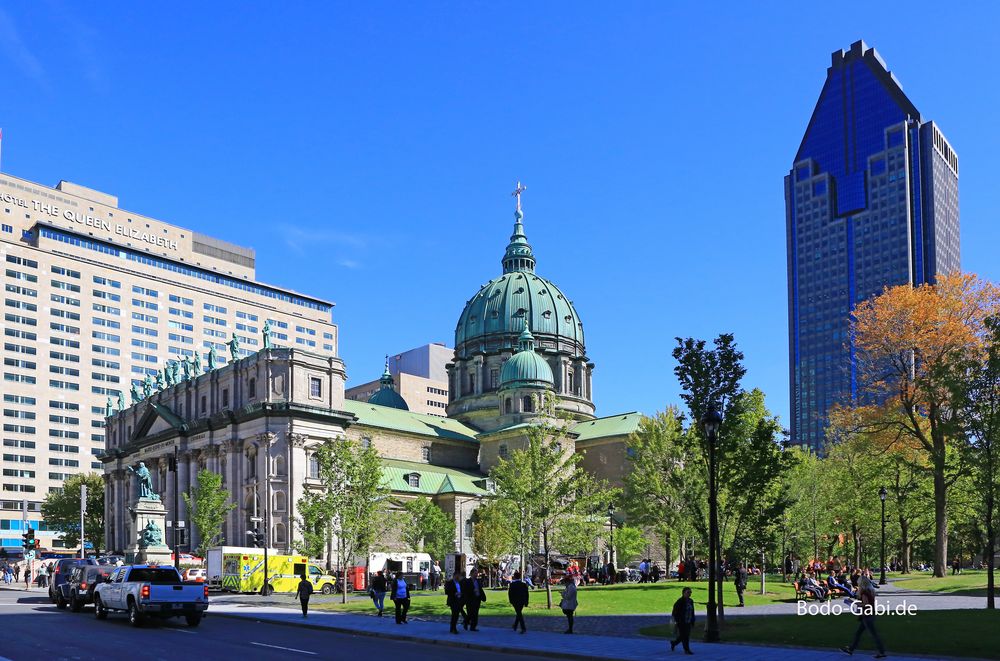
pixel 194 574
pixel 60 574
pixel 78 590
pixel 151 591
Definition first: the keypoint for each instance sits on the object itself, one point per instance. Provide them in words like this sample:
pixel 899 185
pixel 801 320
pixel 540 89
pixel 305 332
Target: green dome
pixel 387 395
pixel 518 299
pixel 526 369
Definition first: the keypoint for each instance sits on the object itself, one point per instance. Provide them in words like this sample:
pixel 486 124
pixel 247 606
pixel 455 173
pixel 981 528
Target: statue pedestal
pixel 148 511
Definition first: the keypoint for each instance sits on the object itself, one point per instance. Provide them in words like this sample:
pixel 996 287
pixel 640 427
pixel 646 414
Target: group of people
pixel 12 572
pixel 649 571
pixel 836 583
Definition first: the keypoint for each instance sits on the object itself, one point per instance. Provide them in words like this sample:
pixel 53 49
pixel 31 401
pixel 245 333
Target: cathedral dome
pixel 519 299
pixel 526 369
pixel 386 395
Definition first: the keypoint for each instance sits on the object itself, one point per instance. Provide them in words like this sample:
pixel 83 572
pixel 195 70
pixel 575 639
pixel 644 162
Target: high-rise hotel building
pixel 871 201
pixel 95 299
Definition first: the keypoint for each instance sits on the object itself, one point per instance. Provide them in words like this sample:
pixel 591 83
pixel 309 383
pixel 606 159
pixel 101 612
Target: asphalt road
pixel 35 629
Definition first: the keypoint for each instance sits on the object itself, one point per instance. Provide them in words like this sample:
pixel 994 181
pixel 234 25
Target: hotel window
pixel 215 308
pixel 181 300
pixel 105 281
pixel 315 387
pixel 67 272
pixel 145 292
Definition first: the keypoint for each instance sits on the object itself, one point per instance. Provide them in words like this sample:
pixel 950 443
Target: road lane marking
pixel 287 649
pixel 182 630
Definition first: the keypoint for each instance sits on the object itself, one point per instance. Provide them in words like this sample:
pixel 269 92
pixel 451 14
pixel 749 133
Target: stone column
pixel 183 482
pixel 298 471
pixel 193 458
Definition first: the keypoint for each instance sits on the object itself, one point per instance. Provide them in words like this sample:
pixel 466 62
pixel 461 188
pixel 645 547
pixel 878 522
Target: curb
pixel 417 639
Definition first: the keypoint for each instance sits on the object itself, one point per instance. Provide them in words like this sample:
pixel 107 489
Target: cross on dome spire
pixel 518 256
pixel 517 194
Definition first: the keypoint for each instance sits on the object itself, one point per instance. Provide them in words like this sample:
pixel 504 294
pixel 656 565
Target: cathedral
pixel 257 420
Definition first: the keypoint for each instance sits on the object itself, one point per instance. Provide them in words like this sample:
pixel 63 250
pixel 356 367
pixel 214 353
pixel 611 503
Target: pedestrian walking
pixel 683 614
pixel 379 588
pixel 17 572
pixel 425 578
pixel 27 577
pixel 517 595
pixel 472 587
pixel 400 597
pixel 455 598
pixel 302 593
pixel 866 621
pixel 43 576
pixel 741 581
pixel 568 602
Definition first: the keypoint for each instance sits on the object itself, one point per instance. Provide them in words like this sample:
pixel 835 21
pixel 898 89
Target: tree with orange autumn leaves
pixel 911 346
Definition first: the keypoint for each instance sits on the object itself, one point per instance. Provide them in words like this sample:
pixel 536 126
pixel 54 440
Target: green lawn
pixel 974 633
pixel 970 583
pixel 628 599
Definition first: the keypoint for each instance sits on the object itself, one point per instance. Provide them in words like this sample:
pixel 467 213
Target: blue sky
pixel 368 150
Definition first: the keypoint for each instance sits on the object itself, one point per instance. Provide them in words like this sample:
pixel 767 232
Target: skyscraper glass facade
pixel 871 201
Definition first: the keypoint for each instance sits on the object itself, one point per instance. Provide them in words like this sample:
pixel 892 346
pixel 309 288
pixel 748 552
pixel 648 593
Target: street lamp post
pixel 710 424
pixel 611 549
pixel 882 493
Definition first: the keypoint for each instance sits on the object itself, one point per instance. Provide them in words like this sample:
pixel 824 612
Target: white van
pixel 410 564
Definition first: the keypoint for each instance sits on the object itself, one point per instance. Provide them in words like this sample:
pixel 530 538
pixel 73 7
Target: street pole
pixel 882 494
pixel 710 426
pixel 267 538
pixel 177 555
pixel 83 512
pixel 611 551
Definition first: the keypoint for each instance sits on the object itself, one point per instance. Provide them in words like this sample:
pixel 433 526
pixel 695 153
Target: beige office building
pixel 97 298
pixel 419 375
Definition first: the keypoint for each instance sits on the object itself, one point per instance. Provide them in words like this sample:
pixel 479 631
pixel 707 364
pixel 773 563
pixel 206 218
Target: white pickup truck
pixel 151 591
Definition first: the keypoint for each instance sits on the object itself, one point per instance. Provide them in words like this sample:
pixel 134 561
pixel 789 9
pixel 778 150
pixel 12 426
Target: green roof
pixel 622 424
pixel 423 424
pixel 434 480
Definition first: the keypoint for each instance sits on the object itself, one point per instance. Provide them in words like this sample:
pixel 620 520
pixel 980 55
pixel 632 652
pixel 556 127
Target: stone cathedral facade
pixel 258 419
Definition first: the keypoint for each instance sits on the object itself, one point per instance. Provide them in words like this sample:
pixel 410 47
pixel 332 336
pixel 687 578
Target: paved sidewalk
pixel 539 643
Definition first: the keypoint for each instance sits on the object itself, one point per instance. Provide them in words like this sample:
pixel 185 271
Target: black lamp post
pixel 611 549
pixel 882 493
pixel 710 424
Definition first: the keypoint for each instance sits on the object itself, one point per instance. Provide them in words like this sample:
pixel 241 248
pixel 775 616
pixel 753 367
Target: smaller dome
pixel 387 395
pixel 526 369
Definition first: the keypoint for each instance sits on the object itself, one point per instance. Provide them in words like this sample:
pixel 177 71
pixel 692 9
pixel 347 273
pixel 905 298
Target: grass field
pixel 628 599
pixel 970 583
pixel 974 633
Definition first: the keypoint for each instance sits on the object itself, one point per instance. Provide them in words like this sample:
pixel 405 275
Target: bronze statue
pixel 212 358
pixel 145 482
pixel 121 401
pixel 147 387
pixel 151 536
pixel 108 411
pixel 197 363
pixel 267 334
pixel 134 393
pixel 234 347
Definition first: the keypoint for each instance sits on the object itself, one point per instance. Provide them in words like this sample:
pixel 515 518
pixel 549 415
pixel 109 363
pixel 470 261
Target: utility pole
pixel 83 514
pixel 173 467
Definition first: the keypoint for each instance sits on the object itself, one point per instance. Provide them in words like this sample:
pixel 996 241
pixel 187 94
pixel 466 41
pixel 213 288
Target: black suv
pixel 78 590
pixel 60 574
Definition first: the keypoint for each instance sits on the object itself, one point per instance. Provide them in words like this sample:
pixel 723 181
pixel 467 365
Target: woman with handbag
pixel 568 603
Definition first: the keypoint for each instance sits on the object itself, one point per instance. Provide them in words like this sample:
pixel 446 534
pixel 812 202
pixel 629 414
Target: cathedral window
pixel 502 450
pixel 570 382
pixel 413 479
pixel 313 466
pixel 508 405
pixel 425 454
pixel 528 404
pixel 252 388
pixel 494 378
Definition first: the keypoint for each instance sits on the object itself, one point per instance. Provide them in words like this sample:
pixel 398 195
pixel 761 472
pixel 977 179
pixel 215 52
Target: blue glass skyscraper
pixel 871 201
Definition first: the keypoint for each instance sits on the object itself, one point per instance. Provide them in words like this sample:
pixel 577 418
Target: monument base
pixel 143 550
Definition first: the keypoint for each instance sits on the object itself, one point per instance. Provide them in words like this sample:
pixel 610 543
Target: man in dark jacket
pixel 454 592
pixel 741 581
pixel 683 614
pixel 517 594
pixel 472 588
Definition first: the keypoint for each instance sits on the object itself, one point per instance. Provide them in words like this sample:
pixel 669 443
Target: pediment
pixel 156 418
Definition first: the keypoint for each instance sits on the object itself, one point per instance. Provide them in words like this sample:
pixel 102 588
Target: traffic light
pixel 256 538
pixel 30 543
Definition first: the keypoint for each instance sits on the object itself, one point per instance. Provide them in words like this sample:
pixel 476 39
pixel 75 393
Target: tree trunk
pixel 991 545
pixel 904 544
pixel 666 552
pixel 720 611
pixel 856 537
pixel 545 572
pixel 940 515
pixel 342 561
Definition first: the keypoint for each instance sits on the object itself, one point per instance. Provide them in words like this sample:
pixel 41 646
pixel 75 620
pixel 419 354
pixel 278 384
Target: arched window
pixel 570 382
pixel 252 388
pixel 502 451
pixel 313 466
pixel 279 534
pixel 413 479
pixel 280 501
pixel 508 405
pixel 528 405
pixel 279 466
pixel 251 464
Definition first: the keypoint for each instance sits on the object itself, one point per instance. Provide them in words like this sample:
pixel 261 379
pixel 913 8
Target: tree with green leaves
pixel 630 542
pixel 664 478
pixel 209 505
pixel 349 500
pixel 313 523
pixel 978 397
pixel 493 537
pixel 61 510
pixel 544 483
pixel 427 528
